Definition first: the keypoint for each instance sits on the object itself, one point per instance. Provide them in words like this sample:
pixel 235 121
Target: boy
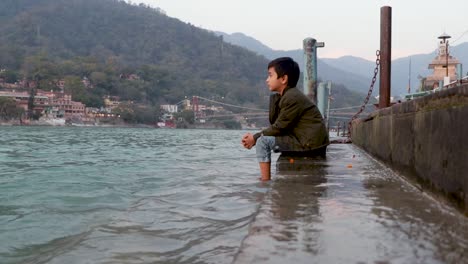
pixel 296 123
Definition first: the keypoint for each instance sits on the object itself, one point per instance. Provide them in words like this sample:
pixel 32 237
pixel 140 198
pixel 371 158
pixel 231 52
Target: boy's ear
pixel 284 79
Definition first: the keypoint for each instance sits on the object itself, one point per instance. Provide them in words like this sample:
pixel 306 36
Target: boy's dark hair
pixel 286 66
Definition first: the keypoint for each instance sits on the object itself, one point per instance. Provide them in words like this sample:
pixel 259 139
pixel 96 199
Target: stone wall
pixel 425 140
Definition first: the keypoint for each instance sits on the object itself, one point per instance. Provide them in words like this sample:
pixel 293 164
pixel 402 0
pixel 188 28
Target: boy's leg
pixel 263 147
pixel 265 171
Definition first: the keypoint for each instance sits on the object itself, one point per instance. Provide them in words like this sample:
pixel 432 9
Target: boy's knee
pixel 260 141
pixel 266 141
pixel 264 146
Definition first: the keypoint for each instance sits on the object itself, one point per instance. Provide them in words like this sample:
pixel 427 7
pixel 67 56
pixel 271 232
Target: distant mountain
pixel 401 67
pixel 326 71
pixel 349 89
pixel 352 64
pixel 354 72
pixel 247 42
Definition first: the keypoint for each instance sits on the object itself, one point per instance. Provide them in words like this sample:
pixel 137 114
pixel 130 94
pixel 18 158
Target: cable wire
pixel 221 103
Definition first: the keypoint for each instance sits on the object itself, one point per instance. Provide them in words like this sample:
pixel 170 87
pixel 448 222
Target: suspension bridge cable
pixel 349 107
pixel 257 117
pixel 460 37
pixel 339 117
pixel 241 114
pixel 221 103
pixel 257 109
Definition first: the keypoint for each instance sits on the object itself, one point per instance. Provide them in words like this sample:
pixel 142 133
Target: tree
pixel 137 114
pixel 80 93
pixel 42 70
pixel 9 110
pixel 232 124
pixel 9 76
pixel 187 115
pixel 32 94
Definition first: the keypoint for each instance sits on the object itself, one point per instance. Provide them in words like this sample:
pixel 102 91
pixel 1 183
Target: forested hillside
pixel 107 40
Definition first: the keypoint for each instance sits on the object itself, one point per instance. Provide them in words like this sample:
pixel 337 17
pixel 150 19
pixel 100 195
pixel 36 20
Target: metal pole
pixel 329 84
pixel 446 58
pixel 310 69
pixel 409 77
pixel 385 55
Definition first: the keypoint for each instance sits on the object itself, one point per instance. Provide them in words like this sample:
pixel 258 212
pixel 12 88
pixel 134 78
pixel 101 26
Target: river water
pixel 122 195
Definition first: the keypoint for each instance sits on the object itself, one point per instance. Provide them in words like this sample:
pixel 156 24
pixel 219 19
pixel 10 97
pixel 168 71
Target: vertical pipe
pixel 329 86
pixel 310 69
pixel 459 71
pixel 322 94
pixel 385 55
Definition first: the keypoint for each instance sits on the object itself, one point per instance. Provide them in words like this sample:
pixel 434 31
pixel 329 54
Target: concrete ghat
pixel 350 208
pixel 425 139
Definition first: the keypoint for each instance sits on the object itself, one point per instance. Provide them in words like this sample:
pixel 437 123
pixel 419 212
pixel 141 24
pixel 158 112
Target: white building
pixel 170 108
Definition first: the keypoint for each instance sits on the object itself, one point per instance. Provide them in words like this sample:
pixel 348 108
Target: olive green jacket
pixel 296 122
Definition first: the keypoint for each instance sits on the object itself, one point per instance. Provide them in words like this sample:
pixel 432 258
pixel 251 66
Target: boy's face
pixel 274 83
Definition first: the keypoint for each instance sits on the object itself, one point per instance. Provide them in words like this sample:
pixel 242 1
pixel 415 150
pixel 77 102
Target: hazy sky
pixel 348 27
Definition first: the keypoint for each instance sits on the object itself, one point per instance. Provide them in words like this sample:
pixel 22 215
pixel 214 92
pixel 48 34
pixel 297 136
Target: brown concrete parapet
pixel 425 139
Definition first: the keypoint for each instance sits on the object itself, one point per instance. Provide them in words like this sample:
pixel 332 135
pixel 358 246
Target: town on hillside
pixel 22 103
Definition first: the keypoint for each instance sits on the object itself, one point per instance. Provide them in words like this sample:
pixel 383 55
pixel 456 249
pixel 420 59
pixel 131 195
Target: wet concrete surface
pixel 350 208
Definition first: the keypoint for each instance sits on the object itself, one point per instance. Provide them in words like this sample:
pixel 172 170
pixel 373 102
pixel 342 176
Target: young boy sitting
pixel 296 122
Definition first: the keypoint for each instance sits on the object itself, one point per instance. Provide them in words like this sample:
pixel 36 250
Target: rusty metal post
pixel 385 55
pixel 338 128
pixel 310 69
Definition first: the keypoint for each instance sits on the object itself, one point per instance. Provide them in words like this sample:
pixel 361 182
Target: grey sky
pixel 348 27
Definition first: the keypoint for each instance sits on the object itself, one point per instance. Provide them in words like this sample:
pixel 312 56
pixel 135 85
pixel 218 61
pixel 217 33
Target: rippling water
pixel 352 209
pixel 120 195
pixel 114 195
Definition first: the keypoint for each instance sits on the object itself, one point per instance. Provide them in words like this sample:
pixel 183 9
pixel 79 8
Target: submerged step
pixel 349 208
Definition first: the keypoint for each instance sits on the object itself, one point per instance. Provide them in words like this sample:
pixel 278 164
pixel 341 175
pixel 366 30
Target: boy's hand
pixel 248 141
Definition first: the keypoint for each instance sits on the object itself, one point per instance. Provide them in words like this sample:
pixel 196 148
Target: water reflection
pixel 289 218
pixel 351 209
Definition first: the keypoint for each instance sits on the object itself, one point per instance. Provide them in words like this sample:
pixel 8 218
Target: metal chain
pixel 376 70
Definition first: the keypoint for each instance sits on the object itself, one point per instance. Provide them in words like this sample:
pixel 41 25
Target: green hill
pixel 106 40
